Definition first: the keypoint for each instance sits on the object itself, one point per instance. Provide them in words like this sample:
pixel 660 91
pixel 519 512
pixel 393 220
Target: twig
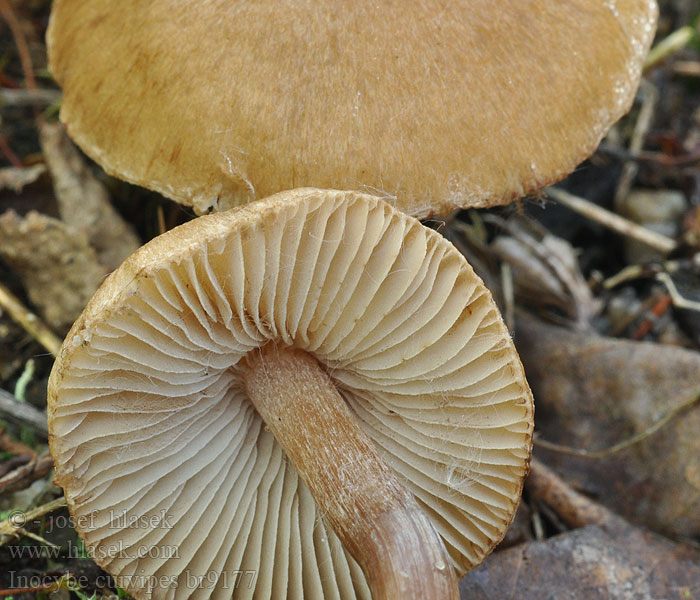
pixel 573 508
pixel 22 97
pixel 669 45
pixel 22 477
pixel 36 538
pixel 536 519
pixel 641 128
pixel 508 296
pixel 615 222
pixel 7 152
pixel 64 582
pixel 22 413
pixel 13 463
pixel 25 57
pixel 29 321
pixel 16 447
pixel 635 439
pixel 678 300
pixel 44 587
pixel 660 304
pixel 628 273
pixel 634 314
pixel 14 524
pixel 687 68
pixel 667 160
pixel 646 113
pixel 632 272
pixel 160 216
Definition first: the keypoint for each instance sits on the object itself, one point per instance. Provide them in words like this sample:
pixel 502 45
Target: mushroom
pixel 436 104
pixel 309 396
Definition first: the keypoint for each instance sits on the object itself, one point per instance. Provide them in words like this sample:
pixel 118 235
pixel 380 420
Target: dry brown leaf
pixel 591 563
pixel 545 270
pixel 83 201
pixel 58 269
pixel 593 392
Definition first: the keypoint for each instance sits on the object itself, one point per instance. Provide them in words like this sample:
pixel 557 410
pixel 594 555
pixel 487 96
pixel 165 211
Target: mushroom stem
pixel 375 517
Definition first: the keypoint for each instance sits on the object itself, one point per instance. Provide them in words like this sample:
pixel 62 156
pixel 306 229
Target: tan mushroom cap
pixel 150 423
pixel 437 104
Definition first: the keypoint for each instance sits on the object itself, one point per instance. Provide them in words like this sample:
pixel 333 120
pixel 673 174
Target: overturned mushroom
pixel 438 104
pixel 282 392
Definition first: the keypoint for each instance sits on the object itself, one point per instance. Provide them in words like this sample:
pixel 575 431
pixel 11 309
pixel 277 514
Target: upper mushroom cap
pixel 150 422
pixel 438 104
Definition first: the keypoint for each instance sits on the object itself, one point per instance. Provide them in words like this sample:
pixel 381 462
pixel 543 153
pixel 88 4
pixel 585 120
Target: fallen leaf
pixel 591 563
pixel 58 268
pixel 593 392
pixel 83 200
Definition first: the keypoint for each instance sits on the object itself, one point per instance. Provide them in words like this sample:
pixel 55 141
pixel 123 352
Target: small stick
pixel 646 113
pixel 551 516
pixel 628 273
pixel 508 296
pixel 630 318
pixel 13 463
pixel 29 321
pixel 635 439
pixel 632 272
pixel 25 57
pixel 687 68
pixel 659 307
pixel 65 582
pixel 537 526
pixel 669 45
pixel 15 447
pixel 36 538
pixel 573 508
pixel 161 220
pixel 641 128
pixel 22 413
pixel 678 300
pixel 18 519
pixel 8 153
pixel 24 97
pixel 613 221
pixel 23 476
pixel 44 587
pixel 667 160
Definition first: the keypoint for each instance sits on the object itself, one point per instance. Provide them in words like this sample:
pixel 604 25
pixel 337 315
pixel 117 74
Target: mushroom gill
pixel 174 481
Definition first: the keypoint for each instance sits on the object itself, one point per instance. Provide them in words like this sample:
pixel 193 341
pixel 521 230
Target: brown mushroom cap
pixel 150 422
pixel 436 104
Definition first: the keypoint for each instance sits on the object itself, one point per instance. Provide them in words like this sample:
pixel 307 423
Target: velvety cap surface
pixel 150 422
pixel 436 104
